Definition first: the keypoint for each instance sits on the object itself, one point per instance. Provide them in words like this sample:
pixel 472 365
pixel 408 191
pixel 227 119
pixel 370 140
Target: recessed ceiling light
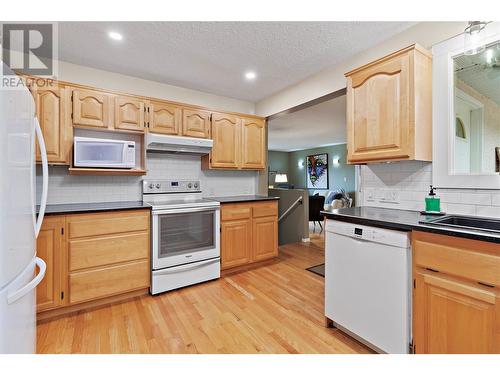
pixel 250 76
pixel 114 35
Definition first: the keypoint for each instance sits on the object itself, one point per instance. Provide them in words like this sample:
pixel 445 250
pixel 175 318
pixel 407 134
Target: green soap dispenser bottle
pixel 432 202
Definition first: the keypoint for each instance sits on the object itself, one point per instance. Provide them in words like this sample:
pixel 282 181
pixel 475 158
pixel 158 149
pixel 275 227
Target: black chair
pixel 316 205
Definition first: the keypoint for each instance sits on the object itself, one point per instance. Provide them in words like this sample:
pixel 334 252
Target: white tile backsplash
pixel 404 185
pixel 66 188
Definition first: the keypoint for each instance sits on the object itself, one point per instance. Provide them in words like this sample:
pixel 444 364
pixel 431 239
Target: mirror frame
pixel 443 117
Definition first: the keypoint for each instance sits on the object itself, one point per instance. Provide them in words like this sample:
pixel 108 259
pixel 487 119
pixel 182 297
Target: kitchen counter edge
pixel 409 225
pixel 79 208
pixel 242 198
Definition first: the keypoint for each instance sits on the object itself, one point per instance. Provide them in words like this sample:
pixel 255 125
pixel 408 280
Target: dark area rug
pixel 318 270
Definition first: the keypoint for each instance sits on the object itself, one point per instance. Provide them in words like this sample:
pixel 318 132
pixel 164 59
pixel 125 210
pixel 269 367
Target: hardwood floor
pixel 317 239
pixel 277 308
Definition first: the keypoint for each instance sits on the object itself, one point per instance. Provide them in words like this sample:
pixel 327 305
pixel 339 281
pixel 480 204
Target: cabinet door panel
pixel 453 317
pixel 378 112
pixel 253 144
pixel 50 112
pixel 91 108
pixel 236 243
pixel 129 113
pixel 195 123
pixel 108 281
pixel 226 136
pixel 164 118
pixel 265 239
pixel 50 247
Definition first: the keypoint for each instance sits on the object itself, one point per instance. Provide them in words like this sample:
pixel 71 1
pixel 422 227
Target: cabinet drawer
pixel 235 211
pixel 103 282
pixel 470 259
pixel 261 209
pixel 94 252
pixel 107 223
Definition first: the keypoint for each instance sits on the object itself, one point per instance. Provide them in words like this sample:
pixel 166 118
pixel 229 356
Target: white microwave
pixel 103 153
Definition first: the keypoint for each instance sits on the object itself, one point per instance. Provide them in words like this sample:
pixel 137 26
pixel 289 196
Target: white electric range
pixel 185 245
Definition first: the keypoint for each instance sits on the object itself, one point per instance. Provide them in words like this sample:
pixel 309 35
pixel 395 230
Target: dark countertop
pixel 403 220
pixel 242 198
pixel 74 208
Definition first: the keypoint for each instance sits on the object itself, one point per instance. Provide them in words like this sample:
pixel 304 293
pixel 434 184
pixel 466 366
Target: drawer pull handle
pixel 487 285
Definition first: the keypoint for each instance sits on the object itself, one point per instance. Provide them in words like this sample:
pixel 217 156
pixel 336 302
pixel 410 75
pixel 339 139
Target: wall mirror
pixel 466 120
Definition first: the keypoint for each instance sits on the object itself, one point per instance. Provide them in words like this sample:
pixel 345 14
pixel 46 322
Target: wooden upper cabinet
pixel 195 123
pixel 91 108
pixel 389 108
pixel 226 136
pixel 130 113
pixel 50 107
pixel 253 143
pixel 50 247
pixel 164 118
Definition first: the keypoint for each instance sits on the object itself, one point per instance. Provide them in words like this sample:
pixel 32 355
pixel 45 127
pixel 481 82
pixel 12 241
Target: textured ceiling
pixel 484 77
pixel 320 125
pixel 212 56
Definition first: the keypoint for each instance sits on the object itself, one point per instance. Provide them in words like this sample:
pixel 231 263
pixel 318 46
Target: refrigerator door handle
pixel 13 297
pixel 45 175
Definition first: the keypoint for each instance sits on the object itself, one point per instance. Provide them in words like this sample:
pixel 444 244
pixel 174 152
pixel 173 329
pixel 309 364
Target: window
pixel 459 128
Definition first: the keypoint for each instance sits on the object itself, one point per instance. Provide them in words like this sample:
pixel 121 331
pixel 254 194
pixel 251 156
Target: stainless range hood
pixel 173 144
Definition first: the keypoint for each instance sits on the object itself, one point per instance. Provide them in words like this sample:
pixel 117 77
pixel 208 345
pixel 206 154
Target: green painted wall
pixel 339 176
pixel 278 161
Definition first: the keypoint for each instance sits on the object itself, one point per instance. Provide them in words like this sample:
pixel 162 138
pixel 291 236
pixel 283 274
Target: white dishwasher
pixel 368 284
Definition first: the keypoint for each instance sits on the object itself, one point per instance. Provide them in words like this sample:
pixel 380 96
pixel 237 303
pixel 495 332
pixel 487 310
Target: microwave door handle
pixel 124 154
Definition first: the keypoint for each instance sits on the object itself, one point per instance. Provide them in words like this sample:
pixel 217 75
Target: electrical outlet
pixel 370 195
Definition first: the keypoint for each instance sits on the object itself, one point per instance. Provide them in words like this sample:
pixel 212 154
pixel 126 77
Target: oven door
pixel 183 236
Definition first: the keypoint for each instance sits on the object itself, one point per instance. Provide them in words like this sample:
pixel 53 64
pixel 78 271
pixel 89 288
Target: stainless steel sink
pixel 466 222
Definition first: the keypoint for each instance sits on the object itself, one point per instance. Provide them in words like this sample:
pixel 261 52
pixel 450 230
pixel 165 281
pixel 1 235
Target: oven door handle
pixel 185 210
pixel 186 267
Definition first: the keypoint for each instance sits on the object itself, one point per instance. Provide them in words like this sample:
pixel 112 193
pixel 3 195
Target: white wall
pixel 332 79
pixel 132 85
pixel 66 188
pixel 404 185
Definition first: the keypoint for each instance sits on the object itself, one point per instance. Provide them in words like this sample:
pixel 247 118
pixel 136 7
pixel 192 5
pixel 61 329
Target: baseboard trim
pixel 48 315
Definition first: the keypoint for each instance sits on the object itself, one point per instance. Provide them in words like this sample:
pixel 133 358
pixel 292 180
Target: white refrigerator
pixel 20 269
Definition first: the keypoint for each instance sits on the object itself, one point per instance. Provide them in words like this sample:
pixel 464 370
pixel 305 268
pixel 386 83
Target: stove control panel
pixel 170 186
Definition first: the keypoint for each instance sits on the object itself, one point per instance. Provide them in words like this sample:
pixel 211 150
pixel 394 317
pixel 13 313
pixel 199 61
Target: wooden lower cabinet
pixel 249 233
pixel 236 243
pixel 110 280
pixel 91 257
pixel 456 296
pixel 265 239
pixel 50 247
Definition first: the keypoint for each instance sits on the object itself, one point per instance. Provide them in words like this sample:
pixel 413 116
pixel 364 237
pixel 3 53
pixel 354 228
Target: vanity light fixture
pixel 114 35
pixel 301 164
pixel 250 75
pixel 336 161
pixel 489 56
pixel 473 38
